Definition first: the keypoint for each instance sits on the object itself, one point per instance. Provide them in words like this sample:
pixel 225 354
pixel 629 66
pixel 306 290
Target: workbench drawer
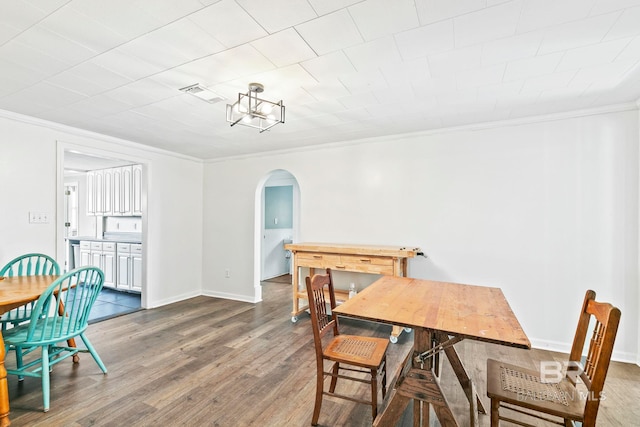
pixel 314 260
pixel 365 264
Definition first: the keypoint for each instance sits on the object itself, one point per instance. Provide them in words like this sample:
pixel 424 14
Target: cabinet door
pixel 107 192
pixel 137 190
pixel 96 259
pixel 91 195
pixel 85 258
pixel 125 189
pixel 136 273
pixel 124 262
pixel 117 191
pixel 99 192
pixel 109 269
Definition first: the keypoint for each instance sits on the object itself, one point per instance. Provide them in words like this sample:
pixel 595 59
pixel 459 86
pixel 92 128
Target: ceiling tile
pixel 143 92
pixel 228 23
pixel 487 24
pixel 74 25
pixel 511 48
pixel 532 67
pixel 604 6
pixel 330 32
pixel 34 59
pixel 427 40
pixel 631 52
pixel 437 10
pixel 16 77
pixel 592 55
pixel 125 17
pixel 550 81
pixel 284 48
pixel 16 17
pixel 538 14
pixel 374 54
pixel 329 66
pixel 374 21
pixel 626 26
pixel 416 70
pixel 446 63
pixel 323 7
pixel 227 65
pixel 46 41
pixel 124 64
pixel 577 34
pixel 482 76
pixel 327 90
pixel 276 15
pixel 365 81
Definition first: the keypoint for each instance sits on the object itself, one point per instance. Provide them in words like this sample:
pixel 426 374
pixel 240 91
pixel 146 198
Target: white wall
pixel 31 169
pixel 542 210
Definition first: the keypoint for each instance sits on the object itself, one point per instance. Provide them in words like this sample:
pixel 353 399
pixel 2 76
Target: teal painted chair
pixel 26 265
pixel 60 314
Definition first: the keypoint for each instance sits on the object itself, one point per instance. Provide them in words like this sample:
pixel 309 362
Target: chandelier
pixel 249 110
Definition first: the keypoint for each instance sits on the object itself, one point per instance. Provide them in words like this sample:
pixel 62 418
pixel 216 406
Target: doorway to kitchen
pixel 103 224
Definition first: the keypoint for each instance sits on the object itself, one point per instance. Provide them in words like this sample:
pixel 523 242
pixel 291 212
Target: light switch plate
pixel 38 218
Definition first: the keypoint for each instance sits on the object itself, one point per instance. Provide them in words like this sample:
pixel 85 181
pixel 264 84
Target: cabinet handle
pixel 340 266
pixel 317 256
pixel 365 260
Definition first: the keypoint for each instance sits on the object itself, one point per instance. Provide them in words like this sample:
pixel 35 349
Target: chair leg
pixel 374 393
pixel 45 377
pixel 19 362
pixel 93 352
pixel 319 393
pixel 384 376
pixel 495 416
pixel 334 377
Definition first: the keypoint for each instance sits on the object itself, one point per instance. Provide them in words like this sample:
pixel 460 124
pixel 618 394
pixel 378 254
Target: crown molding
pixel 92 135
pixel 615 108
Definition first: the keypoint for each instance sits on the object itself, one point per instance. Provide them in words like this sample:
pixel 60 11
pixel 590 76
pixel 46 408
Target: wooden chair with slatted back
pixel 566 399
pixel 33 264
pixel 359 354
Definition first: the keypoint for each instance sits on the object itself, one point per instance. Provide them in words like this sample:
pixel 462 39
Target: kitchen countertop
pixel 118 239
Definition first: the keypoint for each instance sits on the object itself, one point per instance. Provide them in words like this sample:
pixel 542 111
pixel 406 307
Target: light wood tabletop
pixel 441 314
pixel 476 312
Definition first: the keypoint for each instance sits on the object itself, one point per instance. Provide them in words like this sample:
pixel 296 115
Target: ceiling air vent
pixel 203 93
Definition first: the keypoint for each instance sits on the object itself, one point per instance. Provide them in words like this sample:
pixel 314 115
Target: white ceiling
pixel 346 69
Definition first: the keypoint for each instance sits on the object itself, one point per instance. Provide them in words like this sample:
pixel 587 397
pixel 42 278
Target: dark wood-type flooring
pixel 214 362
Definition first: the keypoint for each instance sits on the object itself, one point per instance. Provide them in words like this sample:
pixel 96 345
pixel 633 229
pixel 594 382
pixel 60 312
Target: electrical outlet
pixel 227 273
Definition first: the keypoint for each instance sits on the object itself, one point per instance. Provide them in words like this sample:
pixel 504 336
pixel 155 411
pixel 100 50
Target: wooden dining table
pixel 441 314
pixel 15 292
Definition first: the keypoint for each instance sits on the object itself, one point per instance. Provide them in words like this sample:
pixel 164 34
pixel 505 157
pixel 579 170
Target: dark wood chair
pixel 359 354
pixel 566 399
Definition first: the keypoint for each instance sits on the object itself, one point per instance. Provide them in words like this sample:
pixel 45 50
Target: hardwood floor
pixel 213 362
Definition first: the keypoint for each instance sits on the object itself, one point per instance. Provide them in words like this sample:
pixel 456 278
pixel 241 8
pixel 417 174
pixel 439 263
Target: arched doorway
pixel 277 221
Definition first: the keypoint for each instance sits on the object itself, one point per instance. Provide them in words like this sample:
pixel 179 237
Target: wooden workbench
pixel 384 260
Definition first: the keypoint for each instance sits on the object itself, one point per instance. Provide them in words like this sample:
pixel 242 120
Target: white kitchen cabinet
pixel 109 266
pixel 91 193
pixel 107 192
pixel 101 255
pixel 136 190
pixel 85 254
pixel 115 191
pixel 129 266
pixel 136 267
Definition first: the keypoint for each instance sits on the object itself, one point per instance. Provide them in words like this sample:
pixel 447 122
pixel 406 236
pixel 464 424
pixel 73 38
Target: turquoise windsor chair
pixel 26 265
pixel 60 314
